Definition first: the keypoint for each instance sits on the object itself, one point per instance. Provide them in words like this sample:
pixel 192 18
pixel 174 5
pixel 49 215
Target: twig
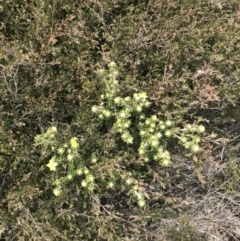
pixel 124 220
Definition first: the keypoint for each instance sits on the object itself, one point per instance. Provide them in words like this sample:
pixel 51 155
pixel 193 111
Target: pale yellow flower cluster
pixel 189 137
pixel 152 131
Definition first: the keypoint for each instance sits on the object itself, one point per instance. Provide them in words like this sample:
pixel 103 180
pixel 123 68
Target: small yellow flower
pixel 70 157
pixel 129 181
pixel 195 148
pixel 168 123
pixel 84 183
pixel 165 162
pixel 138 108
pixel 52 164
pixel 143 95
pixel 74 143
pixel 154 117
pixel 57 191
pixel 141 203
pixel 94 159
pixel 111 184
pixel 79 172
pixel 94 109
pixel 112 65
pixel 127 99
pixel 117 100
pixel 146 159
pixel 69 176
pixel 155 143
pixel 141 151
pixel 168 133
pixel 142 132
pixel 60 150
pixel 201 129
pixel 90 178
pixel 53 129
pixel 129 140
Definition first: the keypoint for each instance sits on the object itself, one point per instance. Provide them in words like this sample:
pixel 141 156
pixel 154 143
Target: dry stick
pixel 124 220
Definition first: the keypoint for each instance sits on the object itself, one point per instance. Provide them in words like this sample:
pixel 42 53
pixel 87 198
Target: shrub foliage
pixel 118 118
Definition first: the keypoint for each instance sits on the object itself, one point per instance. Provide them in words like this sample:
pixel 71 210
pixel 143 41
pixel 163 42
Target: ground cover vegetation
pixel 119 120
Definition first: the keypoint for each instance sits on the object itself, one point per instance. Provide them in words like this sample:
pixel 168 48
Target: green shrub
pixel 180 57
